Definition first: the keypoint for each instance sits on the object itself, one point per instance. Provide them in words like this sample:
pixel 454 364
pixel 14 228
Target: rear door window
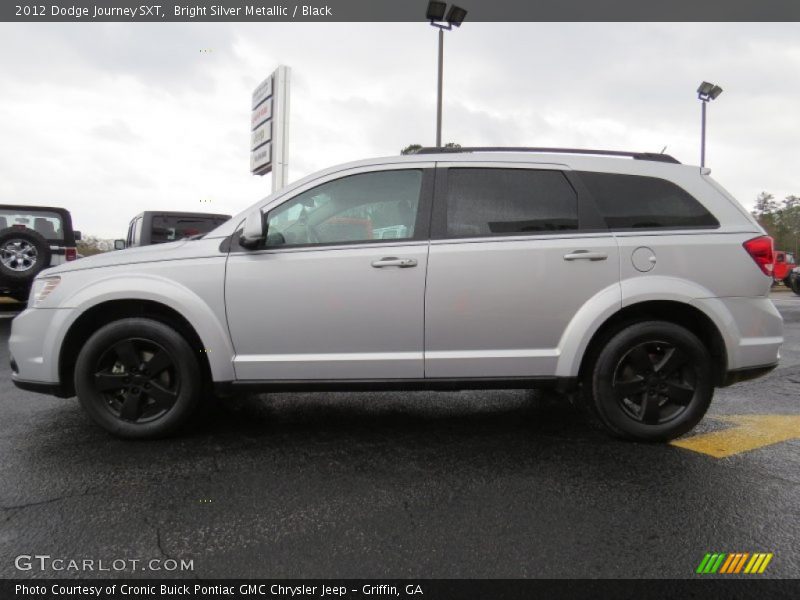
pixel 47 224
pixel 638 202
pixel 501 202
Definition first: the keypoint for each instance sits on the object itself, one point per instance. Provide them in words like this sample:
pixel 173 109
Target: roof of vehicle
pixel 175 213
pixel 652 156
pixel 30 207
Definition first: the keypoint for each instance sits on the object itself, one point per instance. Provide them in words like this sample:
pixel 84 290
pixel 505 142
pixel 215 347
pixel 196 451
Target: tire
pixel 787 281
pixel 138 379
pixel 794 284
pixel 23 254
pixel 651 382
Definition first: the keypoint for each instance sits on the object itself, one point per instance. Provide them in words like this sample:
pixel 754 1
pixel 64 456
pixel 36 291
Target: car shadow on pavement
pixel 370 412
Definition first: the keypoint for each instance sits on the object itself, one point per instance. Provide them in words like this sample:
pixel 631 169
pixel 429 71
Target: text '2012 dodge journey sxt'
pixel 597 275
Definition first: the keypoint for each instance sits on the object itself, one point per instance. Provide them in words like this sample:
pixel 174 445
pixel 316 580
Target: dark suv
pixel 32 238
pixel 158 227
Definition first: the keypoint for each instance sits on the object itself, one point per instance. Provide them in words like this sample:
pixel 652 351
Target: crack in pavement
pixel 19 507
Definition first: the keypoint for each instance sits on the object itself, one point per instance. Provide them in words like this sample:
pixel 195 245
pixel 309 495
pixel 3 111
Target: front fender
pixel 206 313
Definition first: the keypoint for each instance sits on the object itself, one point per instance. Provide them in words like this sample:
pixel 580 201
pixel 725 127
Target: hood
pixel 129 256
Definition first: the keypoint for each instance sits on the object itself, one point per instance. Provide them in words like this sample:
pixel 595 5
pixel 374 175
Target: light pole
pixel 705 93
pixel 455 16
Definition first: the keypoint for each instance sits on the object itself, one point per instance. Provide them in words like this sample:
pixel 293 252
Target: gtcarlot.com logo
pixel 45 562
pixel 734 563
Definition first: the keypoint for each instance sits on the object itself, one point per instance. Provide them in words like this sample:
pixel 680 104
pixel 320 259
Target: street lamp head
pixel 456 16
pixel 705 88
pixel 708 91
pixel 435 11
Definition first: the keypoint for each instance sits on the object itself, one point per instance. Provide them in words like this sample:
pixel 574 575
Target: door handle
pixel 585 255
pixel 393 261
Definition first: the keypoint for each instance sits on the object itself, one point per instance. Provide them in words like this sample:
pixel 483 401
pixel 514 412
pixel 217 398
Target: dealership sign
pixel 269 127
pixel 261 135
pixel 260 157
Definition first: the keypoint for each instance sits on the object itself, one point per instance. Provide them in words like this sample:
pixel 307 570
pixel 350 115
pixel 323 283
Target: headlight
pixel 42 288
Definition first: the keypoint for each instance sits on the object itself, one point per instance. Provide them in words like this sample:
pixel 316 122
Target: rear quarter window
pixel 639 202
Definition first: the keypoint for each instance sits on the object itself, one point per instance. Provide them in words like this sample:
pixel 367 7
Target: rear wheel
pixel 652 381
pixel 138 378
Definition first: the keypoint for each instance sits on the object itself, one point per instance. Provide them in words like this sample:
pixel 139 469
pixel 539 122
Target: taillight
pixel 71 253
pixel 760 249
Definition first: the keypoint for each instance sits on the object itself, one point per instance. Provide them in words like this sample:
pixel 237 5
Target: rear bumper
pixel 752 329
pixel 739 375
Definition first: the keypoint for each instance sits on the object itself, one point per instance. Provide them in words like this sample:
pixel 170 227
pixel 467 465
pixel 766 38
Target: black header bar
pixel 398 10
pixel 743 588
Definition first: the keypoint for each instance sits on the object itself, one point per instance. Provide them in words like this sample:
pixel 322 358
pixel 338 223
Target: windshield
pixel 48 224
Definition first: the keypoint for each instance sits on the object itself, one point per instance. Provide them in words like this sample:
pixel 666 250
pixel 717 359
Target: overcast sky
pixel 108 120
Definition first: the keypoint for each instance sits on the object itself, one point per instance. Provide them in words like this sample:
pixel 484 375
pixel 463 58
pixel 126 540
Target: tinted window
pixel 168 228
pixel 48 224
pixel 633 201
pixel 509 201
pixel 359 208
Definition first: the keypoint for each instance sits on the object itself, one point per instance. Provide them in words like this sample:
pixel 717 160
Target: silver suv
pixel 630 282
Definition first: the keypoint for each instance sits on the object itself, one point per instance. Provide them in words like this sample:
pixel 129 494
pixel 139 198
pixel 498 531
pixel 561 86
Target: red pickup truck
pixel 782 267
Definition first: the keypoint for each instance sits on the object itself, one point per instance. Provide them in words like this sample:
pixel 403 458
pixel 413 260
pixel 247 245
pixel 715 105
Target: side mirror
pixel 119 244
pixel 254 231
pixel 77 236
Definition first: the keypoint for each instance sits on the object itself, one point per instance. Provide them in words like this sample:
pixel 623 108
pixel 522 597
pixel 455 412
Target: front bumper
pixel 51 389
pixel 35 344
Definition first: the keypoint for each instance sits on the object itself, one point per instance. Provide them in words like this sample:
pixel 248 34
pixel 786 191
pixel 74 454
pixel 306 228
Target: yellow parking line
pixel 749 432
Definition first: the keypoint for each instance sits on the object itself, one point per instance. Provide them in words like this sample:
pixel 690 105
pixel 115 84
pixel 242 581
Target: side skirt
pixel 560 384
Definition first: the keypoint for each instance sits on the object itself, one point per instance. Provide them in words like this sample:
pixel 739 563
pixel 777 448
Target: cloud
pixel 112 119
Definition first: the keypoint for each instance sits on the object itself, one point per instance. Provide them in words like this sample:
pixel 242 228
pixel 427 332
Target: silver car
pixel 630 282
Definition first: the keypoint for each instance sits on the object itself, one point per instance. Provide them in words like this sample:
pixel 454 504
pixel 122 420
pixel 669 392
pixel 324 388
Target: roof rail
pixel 635 155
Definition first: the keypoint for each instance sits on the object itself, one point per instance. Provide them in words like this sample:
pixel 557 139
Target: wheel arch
pixel 679 313
pixel 103 313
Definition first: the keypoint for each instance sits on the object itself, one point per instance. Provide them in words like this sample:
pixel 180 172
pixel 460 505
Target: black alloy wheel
pixel 652 383
pixel 138 379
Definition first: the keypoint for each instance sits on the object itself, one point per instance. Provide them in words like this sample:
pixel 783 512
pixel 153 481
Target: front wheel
pixel 138 378
pixel 652 382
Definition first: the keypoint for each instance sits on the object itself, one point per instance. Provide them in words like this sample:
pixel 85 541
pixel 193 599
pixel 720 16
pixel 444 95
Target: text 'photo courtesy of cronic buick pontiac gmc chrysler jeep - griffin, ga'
pixel 595 273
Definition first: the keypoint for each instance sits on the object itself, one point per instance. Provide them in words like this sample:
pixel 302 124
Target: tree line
pixel 780 219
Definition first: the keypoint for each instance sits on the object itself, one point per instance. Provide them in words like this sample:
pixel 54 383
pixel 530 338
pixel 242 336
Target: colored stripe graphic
pixel 711 563
pixel 740 564
pixel 766 562
pixel 718 564
pixel 703 563
pixel 754 563
pixel 727 565
pixel 734 563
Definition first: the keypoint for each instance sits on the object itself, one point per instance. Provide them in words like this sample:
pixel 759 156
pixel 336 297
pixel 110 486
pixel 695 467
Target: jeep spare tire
pixel 23 253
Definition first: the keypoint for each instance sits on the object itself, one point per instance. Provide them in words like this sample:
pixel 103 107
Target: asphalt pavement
pixel 472 484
